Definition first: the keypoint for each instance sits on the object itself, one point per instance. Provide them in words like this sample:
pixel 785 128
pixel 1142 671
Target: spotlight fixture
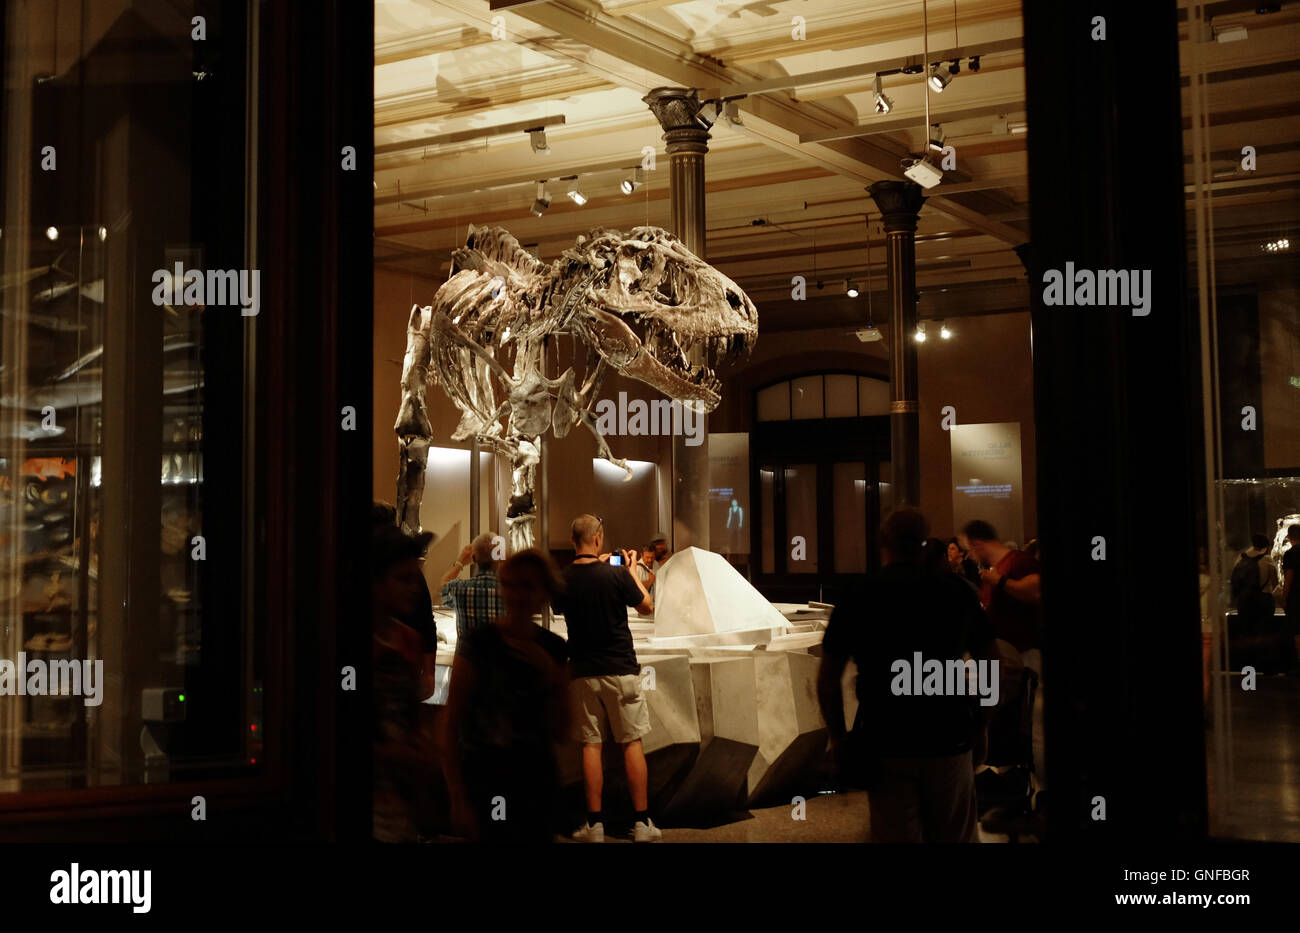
pixel 543 199
pixel 944 332
pixel 922 171
pixel 955 67
pixel 709 113
pixel 883 103
pixel 851 288
pixel 576 195
pixel 633 181
pixel 103 234
pixel 52 233
pixel 1277 246
pixel 937 137
pixel 974 63
pixel 919 336
pixel 939 79
pixel 537 139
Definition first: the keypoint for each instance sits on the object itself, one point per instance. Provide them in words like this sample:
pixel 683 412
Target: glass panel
pixel 841 396
pixel 1244 232
pixel 873 396
pixel 849 485
pixel 806 397
pixel 767 484
pixel 801 517
pixel 729 497
pixel 121 566
pixel 774 402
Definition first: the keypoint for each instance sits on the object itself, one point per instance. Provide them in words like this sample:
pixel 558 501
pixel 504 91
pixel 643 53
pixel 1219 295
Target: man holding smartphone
pixel 606 674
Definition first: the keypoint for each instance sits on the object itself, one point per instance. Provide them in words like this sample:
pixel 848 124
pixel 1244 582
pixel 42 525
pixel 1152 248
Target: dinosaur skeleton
pixel 640 304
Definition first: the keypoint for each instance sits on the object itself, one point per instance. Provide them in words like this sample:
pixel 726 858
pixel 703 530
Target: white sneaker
pixel 590 833
pixel 646 832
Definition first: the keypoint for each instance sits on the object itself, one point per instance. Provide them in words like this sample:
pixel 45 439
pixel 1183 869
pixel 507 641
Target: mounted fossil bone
pixel 640 303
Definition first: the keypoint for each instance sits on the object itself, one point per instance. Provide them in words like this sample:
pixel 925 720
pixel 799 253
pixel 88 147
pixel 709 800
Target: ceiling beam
pixel 481 132
pixel 909 122
pixel 790 82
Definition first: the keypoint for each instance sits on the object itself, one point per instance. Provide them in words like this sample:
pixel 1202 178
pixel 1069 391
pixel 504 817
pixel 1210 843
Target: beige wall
pixel 986 373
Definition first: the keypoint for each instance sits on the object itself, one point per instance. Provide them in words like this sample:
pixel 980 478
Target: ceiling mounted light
pixel 52 233
pixel 922 171
pixel 974 63
pixel 103 234
pixel 543 200
pixel 633 181
pixel 883 103
pixel 937 137
pixel 1277 246
pixel 576 195
pixel 709 113
pixel 537 139
pixel 955 67
pixel 919 336
pixel 851 288
pixel 939 79
pixel 944 332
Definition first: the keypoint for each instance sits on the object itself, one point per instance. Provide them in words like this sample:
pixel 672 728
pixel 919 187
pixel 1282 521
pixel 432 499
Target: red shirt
pixel 1012 620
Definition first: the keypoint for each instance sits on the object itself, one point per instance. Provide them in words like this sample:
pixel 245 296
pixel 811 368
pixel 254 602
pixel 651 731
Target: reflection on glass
pixel 801 517
pixel 849 487
pixel 767 490
pixel 113 548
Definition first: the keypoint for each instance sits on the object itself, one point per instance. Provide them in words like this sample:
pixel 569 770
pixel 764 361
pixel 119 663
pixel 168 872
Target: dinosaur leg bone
pixel 413 428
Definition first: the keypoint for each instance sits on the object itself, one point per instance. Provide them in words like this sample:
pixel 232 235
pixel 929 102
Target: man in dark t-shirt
pixel 916 751
pixel 606 675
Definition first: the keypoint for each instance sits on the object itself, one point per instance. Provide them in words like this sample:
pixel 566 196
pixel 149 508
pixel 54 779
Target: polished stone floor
pixel 1261 798
pixel 828 818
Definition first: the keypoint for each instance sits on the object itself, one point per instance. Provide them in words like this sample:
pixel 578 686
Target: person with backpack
pixel 1251 586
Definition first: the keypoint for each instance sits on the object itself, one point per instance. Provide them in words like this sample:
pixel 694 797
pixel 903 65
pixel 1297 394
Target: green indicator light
pixel 181 698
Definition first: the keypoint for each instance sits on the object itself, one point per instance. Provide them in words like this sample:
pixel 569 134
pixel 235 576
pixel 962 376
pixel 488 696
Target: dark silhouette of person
pixel 915 754
pixel 506 711
pixel 403 758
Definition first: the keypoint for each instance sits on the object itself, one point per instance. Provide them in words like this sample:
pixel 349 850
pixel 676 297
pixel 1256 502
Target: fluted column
pixel 899 203
pixel 677 110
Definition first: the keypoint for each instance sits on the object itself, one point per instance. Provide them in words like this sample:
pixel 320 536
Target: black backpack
pixel 1244 581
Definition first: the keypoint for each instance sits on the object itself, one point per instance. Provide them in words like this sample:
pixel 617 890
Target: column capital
pixel 899 203
pixel 677 110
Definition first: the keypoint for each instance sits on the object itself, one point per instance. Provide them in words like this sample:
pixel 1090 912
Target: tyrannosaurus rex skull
pixel 646 301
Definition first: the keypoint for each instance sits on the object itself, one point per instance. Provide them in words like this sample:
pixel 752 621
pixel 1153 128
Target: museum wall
pixel 985 372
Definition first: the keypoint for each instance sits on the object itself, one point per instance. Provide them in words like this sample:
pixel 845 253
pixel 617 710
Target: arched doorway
pixel 820 472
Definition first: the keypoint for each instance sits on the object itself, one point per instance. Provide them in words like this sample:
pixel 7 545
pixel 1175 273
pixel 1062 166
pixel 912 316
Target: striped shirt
pixel 477 601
